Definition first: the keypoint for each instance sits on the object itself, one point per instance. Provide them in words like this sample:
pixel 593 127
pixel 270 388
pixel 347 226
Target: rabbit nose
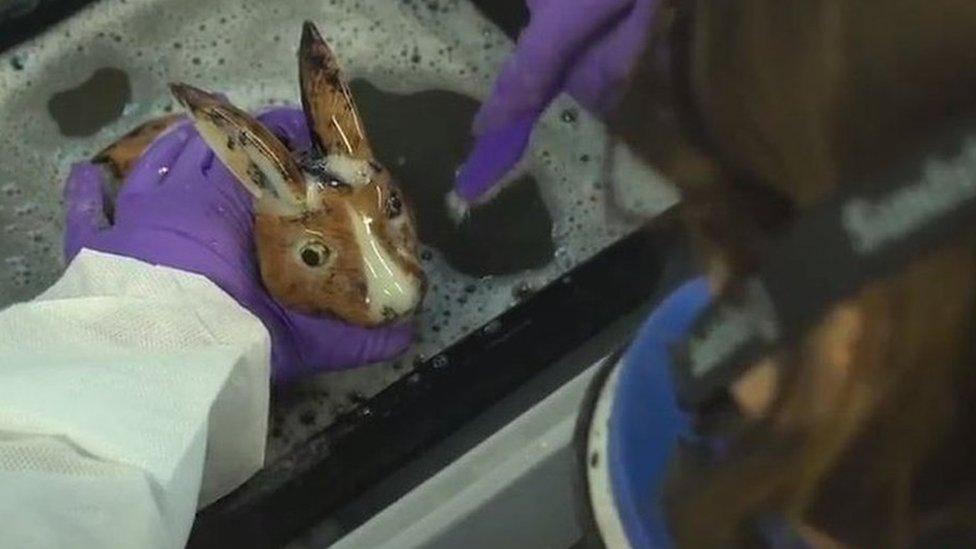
pixel 391 288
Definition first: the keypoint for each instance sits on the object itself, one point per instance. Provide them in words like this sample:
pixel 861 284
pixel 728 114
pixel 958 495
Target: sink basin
pixel 70 90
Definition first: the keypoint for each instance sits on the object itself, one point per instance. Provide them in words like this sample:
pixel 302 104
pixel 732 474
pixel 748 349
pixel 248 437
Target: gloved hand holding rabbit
pixel 300 225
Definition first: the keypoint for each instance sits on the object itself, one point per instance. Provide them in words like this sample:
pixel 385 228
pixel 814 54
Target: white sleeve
pixel 129 394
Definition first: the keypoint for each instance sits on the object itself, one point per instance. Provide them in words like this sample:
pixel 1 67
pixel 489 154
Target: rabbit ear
pixel 328 104
pixel 258 159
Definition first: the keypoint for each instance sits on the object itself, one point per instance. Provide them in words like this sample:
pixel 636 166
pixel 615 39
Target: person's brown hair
pixel 795 98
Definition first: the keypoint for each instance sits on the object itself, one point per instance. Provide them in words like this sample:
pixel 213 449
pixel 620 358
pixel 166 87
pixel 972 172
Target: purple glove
pixel 585 47
pixel 181 207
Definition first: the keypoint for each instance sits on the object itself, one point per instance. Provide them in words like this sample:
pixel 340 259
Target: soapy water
pixel 513 233
pixel 405 56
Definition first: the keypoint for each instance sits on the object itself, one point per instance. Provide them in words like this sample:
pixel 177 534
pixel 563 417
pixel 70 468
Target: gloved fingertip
pixel 457 207
pixel 290 125
pixel 197 153
pixel 84 195
pixel 495 153
pixel 84 179
pixel 499 113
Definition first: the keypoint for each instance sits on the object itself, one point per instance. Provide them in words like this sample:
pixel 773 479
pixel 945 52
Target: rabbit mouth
pixel 390 315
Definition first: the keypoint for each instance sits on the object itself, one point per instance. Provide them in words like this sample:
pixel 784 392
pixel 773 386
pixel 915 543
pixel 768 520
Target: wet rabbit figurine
pixel 334 235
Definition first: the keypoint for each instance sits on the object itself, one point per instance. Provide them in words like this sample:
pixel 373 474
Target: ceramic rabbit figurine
pixel 334 235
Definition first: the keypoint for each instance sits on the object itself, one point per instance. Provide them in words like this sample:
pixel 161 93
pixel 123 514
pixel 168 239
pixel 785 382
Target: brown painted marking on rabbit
pixel 121 156
pixel 333 233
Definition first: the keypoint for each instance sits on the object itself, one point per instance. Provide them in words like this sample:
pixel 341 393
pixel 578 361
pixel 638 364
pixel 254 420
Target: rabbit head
pixel 333 233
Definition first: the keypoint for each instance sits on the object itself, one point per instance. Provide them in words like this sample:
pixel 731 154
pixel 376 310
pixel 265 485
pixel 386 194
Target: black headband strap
pixel 832 251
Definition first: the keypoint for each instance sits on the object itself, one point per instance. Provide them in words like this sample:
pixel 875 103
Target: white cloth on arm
pixel 129 395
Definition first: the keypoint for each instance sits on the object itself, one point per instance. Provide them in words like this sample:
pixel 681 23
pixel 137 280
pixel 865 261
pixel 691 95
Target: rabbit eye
pixel 394 206
pixel 334 183
pixel 314 254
